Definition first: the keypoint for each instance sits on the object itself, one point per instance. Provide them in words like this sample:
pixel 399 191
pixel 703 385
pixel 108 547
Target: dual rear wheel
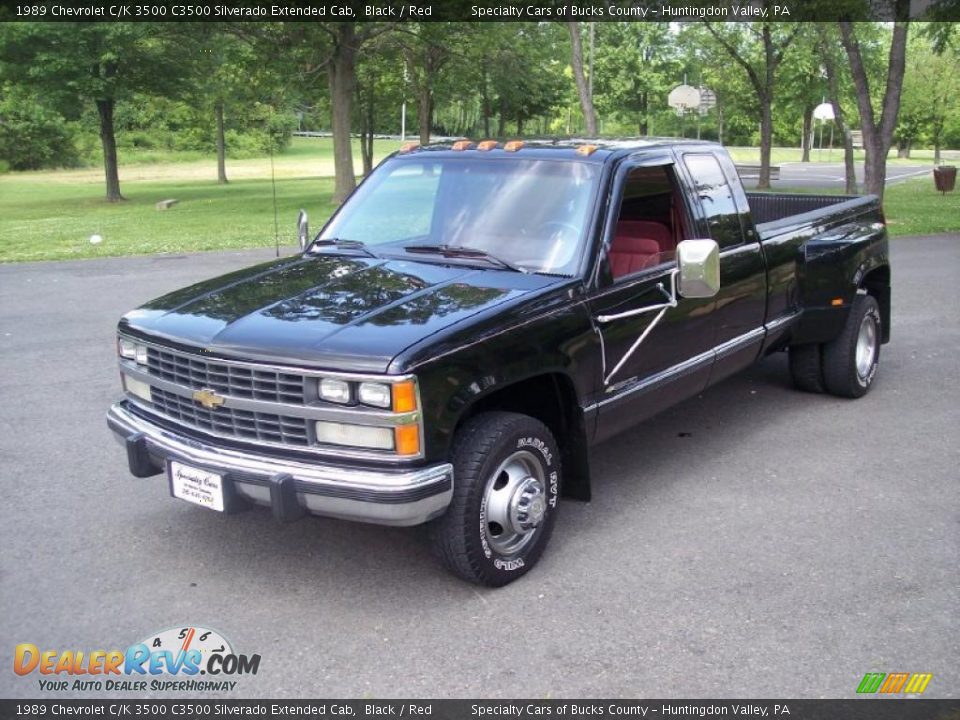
pixel 847 365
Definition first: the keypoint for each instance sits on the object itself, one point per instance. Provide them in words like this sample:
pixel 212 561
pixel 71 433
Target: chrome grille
pixel 233 380
pixel 230 421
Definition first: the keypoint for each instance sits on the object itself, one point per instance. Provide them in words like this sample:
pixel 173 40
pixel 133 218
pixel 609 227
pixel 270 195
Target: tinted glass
pixel 532 213
pixel 716 198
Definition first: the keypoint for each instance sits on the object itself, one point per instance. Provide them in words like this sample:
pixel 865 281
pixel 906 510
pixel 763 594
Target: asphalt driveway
pixel 754 541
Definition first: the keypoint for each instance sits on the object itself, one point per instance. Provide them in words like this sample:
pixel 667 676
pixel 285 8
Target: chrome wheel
pixel 866 353
pixel 515 501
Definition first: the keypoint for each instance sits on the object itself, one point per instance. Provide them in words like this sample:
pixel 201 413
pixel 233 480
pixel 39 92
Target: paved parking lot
pixel 830 176
pixel 754 541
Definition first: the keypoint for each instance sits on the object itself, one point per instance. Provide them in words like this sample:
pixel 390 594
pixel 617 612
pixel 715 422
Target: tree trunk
pixel 343 78
pixel 583 91
pixel 109 142
pixel 903 148
pixel 368 147
pixel 644 113
pixel 221 145
pixel 878 136
pixel 807 133
pixel 365 107
pixel 766 143
pixel 833 85
pixel 485 105
pixel 425 112
pixel 519 127
pixel 502 120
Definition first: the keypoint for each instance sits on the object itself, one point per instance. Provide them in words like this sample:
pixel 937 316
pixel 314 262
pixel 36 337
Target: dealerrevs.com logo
pixel 894 683
pixel 185 659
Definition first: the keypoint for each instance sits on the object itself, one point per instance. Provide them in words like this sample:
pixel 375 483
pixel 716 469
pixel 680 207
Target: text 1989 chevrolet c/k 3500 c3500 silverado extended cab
pixel 477 316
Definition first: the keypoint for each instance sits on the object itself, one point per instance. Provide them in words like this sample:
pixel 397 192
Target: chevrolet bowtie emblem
pixel 208 398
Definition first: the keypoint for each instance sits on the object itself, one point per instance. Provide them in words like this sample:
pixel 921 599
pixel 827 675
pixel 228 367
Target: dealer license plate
pixel 197 486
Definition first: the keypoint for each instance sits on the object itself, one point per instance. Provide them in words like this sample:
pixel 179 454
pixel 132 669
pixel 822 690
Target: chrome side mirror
pixel 699 272
pixel 303 230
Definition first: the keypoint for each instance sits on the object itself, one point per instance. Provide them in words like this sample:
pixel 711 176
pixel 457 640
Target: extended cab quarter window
pixel 650 222
pixel 716 197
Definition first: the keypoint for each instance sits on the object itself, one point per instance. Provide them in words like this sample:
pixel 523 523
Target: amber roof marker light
pixel 460 145
pixel 513 145
pixel 586 150
pixel 409 147
pixel 487 145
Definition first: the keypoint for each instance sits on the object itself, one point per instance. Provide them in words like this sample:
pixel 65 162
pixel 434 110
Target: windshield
pixel 528 213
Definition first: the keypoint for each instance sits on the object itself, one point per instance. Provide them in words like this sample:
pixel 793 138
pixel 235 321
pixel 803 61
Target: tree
pixel 426 49
pixel 379 93
pixel 758 48
pixel 522 96
pixel 583 89
pixel 878 130
pixel 324 48
pixel 102 63
pixel 635 68
pixel 804 86
pixel 828 54
pixel 931 89
pixel 230 76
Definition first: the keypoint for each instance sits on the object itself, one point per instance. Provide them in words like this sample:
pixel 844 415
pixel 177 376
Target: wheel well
pixel 877 285
pixel 551 399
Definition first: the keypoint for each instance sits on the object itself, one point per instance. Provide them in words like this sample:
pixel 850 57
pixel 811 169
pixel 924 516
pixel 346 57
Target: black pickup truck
pixel 475 318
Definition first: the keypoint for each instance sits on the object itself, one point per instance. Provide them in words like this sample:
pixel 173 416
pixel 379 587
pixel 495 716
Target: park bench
pixel 753 171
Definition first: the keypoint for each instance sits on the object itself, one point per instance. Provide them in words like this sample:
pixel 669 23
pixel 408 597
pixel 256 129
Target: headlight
pixel 377 438
pixel 132 351
pixel 376 394
pixel 336 391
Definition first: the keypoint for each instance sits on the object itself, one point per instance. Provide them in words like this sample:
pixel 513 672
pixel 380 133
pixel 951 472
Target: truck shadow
pixel 347 562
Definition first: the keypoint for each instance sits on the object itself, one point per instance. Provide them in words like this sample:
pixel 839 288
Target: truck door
pixel 741 302
pixel 646 220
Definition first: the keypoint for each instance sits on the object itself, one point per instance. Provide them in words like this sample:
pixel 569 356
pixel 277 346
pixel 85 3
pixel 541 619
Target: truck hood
pixel 327 311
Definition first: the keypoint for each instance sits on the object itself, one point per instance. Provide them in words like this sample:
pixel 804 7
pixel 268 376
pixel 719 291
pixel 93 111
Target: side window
pixel 650 222
pixel 716 197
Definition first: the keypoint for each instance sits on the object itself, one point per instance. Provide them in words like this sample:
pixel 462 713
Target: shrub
pixel 33 136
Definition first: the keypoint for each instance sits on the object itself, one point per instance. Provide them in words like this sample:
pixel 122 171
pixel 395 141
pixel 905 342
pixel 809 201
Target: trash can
pixel 945 178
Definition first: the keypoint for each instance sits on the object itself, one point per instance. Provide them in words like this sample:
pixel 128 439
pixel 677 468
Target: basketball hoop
pixel 682 98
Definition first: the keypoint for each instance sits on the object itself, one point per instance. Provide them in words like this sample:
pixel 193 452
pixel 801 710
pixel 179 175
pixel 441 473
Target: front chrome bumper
pixel 290 487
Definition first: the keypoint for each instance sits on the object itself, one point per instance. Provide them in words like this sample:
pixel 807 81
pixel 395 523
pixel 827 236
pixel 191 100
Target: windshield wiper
pixel 461 251
pixel 343 244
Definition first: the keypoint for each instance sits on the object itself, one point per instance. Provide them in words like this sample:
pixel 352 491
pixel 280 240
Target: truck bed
pixel 773 211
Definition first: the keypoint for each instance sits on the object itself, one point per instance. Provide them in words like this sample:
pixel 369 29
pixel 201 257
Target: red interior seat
pixel 637 245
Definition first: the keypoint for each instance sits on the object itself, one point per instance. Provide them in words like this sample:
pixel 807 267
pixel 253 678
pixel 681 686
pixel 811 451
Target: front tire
pixel 506 492
pixel 850 360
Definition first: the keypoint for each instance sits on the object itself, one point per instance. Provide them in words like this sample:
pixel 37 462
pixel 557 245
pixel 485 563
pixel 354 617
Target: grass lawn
pixel 914 208
pixel 52 215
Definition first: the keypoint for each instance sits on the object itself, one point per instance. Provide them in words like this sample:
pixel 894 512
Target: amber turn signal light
pixel 404 396
pixel 407 439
